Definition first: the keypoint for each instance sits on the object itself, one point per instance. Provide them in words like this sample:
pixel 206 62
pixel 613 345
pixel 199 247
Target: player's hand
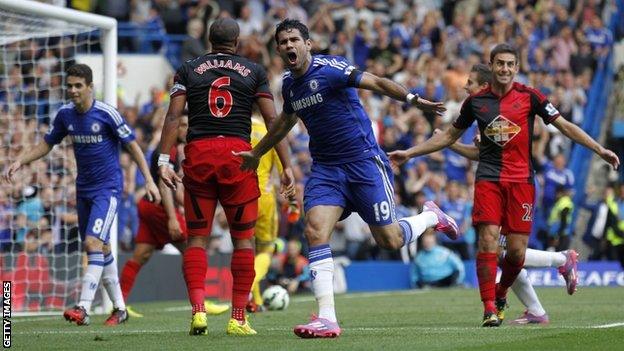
pixel 477 140
pixel 168 176
pixel 429 106
pixel 173 227
pixel 8 174
pixel 610 157
pixel 250 160
pixel 152 192
pixel 398 158
pixel 287 187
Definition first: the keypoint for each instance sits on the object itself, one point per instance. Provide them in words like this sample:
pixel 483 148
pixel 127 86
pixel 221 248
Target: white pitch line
pixel 103 331
pixel 605 326
pixel 356 329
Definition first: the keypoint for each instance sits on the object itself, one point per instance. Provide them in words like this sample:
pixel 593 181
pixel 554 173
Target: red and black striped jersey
pixel 506 126
pixel 220 92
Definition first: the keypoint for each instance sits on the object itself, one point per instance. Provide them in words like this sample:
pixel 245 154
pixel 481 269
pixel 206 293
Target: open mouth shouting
pixel 292 58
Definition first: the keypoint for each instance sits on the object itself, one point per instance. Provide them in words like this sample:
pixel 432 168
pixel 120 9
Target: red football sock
pixel 128 275
pixel 508 276
pixel 194 266
pixel 486 273
pixel 243 274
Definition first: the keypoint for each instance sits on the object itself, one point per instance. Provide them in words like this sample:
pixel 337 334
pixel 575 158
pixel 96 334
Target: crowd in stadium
pixel 427 46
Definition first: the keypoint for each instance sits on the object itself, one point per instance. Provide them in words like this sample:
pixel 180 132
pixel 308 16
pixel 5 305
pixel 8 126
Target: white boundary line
pixel 612 325
pixel 357 329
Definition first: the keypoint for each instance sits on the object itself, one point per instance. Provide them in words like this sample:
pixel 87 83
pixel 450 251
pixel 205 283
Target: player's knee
pixel 93 244
pixel 515 257
pixel 314 233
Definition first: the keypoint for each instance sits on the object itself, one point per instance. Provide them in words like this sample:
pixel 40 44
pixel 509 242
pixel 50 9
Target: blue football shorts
pixel 96 213
pixel 364 186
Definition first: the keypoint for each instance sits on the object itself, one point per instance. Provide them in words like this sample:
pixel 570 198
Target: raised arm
pixel 575 133
pixel 396 91
pixel 277 132
pixel 436 142
pixel 470 152
pixel 40 150
pixel 150 187
pixel 267 109
pixel 168 138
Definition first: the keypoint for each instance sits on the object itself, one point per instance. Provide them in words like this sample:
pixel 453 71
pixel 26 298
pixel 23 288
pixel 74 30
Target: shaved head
pixel 223 31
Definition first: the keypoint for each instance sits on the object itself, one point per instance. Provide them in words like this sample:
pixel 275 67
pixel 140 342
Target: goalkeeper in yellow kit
pixel 267 222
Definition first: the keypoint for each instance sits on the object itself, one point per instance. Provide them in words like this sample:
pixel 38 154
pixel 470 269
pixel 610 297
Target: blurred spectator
pixel 290 269
pixel 193 46
pixel 556 175
pixel 615 225
pixel 434 265
pixel 560 221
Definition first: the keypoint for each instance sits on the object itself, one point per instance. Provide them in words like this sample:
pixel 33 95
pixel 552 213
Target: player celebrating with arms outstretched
pixel 96 130
pixel 504 191
pixel 221 89
pixel 350 172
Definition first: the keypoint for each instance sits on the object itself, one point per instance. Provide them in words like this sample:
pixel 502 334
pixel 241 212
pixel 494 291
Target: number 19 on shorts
pixel 382 211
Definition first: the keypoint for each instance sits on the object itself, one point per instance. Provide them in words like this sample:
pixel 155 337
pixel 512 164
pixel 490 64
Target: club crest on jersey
pixel 501 130
pixel 313 85
pixel 95 127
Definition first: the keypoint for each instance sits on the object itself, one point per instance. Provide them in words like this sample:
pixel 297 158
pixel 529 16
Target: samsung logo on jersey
pixel 87 139
pixel 307 101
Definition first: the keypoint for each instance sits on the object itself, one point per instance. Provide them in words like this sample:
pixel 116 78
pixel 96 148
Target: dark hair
pixel 81 70
pixel 484 74
pixel 289 24
pixel 223 31
pixel 503 49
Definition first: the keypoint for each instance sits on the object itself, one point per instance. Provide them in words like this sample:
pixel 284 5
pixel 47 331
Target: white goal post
pixel 23 21
pixel 108 26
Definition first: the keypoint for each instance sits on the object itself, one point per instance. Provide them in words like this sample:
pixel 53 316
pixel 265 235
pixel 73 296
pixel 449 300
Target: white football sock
pixel 537 258
pixel 110 279
pixel 322 271
pixel 91 279
pixel 525 292
pixel 418 224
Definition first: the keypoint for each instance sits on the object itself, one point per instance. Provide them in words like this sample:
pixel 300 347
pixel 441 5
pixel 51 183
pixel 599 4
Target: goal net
pixel 40 248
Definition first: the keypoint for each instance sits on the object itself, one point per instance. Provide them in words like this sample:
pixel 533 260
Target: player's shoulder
pixel 330 61
pixel 108 110
pixel 526 89
pixel 66 108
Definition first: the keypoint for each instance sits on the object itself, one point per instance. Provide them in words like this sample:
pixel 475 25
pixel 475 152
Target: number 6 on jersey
pixel 216 92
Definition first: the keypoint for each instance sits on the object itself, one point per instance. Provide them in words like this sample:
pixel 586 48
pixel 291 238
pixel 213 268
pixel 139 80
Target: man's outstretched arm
pixel 575 133
pixel 277 132
pixel 40 150
pixel 267 109
pixel 396 91
pixel 436 142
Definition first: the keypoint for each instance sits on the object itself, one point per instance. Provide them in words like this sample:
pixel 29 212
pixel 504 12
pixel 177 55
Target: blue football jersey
pixel 97 136
pixel 326 99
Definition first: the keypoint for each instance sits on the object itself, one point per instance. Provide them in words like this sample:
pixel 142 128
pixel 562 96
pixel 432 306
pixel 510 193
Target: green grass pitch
pixel 592 319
